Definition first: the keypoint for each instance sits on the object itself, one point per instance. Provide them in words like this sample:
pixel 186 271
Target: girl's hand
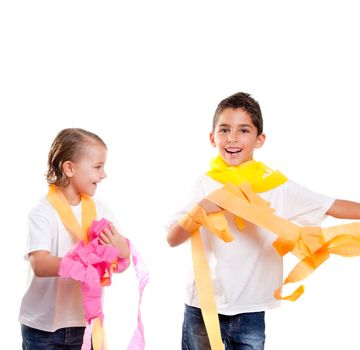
pixel 114 238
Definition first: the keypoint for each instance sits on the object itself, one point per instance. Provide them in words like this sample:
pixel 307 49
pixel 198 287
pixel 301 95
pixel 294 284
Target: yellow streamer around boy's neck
pixel 258 175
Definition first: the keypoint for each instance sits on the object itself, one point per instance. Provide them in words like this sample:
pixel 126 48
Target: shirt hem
pixel 46 328
pixel 243 309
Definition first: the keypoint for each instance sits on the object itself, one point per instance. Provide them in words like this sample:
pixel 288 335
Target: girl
pixel 51 313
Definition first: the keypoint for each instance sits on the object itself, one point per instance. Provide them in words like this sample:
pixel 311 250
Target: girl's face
pixel 235 136
pixel 88 171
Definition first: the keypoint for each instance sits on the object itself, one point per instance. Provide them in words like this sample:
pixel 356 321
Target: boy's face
pixel 235 136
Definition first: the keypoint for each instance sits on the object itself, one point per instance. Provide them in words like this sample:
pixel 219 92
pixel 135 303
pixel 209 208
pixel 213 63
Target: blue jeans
pixel 63 339
pixel 239 332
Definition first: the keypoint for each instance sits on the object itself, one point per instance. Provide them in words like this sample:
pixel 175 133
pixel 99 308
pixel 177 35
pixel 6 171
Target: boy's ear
pixel 260 140
pixel 212 139
pixel 68 168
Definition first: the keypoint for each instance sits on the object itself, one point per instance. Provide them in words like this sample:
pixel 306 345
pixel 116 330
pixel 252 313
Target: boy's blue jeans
pixel 239 332
pixel 63 339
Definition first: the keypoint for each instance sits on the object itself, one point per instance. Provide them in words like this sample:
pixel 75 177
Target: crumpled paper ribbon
pixel 92 265
pixel 312 244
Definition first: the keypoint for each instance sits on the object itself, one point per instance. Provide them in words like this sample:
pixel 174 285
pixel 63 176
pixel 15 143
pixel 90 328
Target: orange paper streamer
pixel 88 214
pixel 312 245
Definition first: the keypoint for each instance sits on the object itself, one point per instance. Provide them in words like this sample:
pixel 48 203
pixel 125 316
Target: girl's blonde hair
pixel 68 145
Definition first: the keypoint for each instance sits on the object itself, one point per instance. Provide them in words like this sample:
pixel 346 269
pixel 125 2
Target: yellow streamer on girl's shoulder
pixel 88 213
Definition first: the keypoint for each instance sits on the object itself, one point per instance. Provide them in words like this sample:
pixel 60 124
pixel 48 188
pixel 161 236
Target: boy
pixel 245 272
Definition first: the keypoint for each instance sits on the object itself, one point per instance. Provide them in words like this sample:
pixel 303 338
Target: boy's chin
pixel 235 161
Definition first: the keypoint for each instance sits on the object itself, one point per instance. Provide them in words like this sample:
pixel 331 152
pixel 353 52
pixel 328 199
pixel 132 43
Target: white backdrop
pixel 147 76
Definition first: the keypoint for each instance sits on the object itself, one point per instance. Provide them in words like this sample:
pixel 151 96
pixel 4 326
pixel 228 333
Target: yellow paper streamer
pixel 261 177
pixel 312 245
pixel 88 214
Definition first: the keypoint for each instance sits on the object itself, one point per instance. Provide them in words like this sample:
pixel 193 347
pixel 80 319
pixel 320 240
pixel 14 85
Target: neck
pixel 73 197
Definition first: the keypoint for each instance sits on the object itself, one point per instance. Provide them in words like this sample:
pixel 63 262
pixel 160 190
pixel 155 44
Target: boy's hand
pixel 209 207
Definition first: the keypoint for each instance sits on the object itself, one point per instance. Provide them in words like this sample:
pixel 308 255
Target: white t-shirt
pixel 246 272
pixel 51 303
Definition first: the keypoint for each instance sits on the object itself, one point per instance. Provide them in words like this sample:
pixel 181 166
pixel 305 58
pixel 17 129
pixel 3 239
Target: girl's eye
pixel 98 167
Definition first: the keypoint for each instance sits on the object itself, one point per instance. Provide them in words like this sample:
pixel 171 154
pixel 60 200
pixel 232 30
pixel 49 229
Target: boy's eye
pixel 98 167
pixel 223 130
pixel 244 130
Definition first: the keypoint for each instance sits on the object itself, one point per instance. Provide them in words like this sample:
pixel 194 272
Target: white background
pixel 147 76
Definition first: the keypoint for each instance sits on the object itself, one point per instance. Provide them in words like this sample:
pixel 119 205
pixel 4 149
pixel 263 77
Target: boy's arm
pixel 343 209
pixel 44 264
pixel 178 235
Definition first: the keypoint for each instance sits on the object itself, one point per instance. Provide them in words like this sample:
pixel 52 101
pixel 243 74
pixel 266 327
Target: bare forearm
pixel 343 209
pixel 123 248
pixel 177 235
pixel 44 264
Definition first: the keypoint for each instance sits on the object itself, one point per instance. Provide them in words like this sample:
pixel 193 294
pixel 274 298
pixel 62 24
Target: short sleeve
pixel 42 226
pixel 304 206
pixel 192 195
pixel 39 234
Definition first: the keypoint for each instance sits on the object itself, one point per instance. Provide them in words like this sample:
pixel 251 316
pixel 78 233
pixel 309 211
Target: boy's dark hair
pixel 69 145
pixel 244 101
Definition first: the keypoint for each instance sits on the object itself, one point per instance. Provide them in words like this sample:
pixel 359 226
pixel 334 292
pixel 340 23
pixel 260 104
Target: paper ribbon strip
pixel 142 274
pixel 89 230
pixel 62 207
pixel 92 265
pixel 312 245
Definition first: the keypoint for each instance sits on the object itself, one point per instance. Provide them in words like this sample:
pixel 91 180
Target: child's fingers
pixel 108 233
pixel 113 228
pixel 104 238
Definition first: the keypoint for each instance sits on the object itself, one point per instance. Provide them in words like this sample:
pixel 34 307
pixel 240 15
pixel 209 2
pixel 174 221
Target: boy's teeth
pixel 233 150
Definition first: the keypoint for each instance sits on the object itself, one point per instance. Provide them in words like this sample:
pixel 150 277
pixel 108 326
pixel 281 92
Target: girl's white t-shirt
pixel 51 303
pixel 246 272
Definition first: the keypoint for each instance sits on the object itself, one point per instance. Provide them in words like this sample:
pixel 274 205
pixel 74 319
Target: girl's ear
pixel 68 168
pixel 260 140
pixel 212 139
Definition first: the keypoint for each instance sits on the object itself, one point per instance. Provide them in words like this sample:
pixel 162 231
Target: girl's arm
pixel 343 209
pixel 178 235
pixel 44 264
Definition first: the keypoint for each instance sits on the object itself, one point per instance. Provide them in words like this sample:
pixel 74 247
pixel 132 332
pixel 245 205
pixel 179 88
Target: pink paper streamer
pixel 142 274
pixel 90 264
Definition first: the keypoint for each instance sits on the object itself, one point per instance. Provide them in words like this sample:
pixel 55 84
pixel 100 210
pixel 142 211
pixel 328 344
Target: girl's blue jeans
pixel 239 332
pixel 63 339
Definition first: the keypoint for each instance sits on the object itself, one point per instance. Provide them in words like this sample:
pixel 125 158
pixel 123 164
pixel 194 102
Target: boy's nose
pixel 232 137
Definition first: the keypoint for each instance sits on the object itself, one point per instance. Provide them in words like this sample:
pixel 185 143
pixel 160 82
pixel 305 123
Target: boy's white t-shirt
pixel 246 272
pixel 51 303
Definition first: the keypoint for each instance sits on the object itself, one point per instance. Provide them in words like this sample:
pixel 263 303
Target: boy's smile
pixel 235 136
